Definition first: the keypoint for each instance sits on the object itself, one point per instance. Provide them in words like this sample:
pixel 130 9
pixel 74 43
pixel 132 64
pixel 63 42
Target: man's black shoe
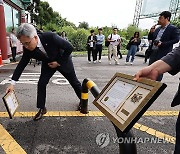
pixel 40 114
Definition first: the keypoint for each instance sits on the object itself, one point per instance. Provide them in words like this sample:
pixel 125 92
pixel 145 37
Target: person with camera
pixel 163 39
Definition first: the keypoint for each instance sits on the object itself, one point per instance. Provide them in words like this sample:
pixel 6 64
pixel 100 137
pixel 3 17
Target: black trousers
pixel 177 145
pixel 152 59
pixel 46 74
pixel 119 52
pixel 13 49
pixel 94 54
pixel 99 50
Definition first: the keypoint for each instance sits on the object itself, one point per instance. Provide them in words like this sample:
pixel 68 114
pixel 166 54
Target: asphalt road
pixel 67 134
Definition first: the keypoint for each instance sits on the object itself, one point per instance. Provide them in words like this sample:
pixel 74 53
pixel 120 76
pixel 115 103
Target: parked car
pixel 143 47
pixel 145 44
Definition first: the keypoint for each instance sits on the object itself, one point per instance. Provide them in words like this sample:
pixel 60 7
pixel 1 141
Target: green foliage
pixel 124 42
pixel 47 19
pixel 42 14
pixel 69 32
pixel 50 27
pixel 84 25
pixel 176 22
pixel 130 31
pixel 144 32
pixel 9 28
pixel 107 31
pixel 79 39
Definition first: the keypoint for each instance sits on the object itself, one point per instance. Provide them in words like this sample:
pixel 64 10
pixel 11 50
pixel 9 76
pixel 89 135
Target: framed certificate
pixel 124 100
pixel 11 103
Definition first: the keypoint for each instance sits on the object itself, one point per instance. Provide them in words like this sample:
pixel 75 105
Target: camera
pixel 156 42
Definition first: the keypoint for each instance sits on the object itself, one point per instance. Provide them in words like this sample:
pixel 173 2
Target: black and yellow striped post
pixel 124 147
pixel 86 86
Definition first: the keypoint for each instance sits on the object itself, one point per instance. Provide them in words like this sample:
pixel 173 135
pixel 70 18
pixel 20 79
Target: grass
pixel 104 53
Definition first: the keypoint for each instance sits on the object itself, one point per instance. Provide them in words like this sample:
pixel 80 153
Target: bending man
pixel 55 54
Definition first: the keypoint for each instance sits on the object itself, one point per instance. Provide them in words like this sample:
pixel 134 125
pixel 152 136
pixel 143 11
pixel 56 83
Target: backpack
pixel 107 42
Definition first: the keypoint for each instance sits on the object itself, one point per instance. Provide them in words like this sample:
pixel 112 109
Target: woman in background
pixel 63 35
pixel 134 43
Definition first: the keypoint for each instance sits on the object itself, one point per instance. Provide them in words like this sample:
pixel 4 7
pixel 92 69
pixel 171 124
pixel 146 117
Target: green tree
pixel 130 31
pixel 84 25
pixel 42 14
pixel 176 22
pixel 79 39
pixel 32 9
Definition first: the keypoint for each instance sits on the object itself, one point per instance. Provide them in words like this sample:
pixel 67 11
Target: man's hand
pixel 9 88
pixel 159 43
pixel 53 64
pixel 147 72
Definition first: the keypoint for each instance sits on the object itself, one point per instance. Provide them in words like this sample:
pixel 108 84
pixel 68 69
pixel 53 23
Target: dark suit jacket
pixel 169 37
pixel 173 59
pixel 57 49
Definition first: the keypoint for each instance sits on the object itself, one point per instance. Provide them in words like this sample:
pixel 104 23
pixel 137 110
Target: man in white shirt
pixel 114 40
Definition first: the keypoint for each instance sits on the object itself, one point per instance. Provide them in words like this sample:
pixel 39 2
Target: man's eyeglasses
pixel 26 44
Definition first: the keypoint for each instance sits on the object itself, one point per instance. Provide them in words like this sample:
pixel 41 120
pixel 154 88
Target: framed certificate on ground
pixel 124 100
pixel 11 103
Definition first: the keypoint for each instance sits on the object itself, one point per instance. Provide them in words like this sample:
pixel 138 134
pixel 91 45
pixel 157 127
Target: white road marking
pixel 33 78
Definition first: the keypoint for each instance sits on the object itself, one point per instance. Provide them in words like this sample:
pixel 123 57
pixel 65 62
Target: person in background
pixel 134 43
pixel 13 44
pixel 100 39
pixel 169 63
pixel 119 49
pixel 150 38
pixel 163 38
pixel 63 35
pixel 114 40
pixel 91 47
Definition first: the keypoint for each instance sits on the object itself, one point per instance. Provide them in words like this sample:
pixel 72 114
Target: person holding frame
pixel 169 63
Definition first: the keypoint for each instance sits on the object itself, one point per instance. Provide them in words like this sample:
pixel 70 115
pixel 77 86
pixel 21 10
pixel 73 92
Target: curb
pixel 9 64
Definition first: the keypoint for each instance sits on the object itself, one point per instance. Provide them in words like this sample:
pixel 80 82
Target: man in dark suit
pixel 55 54
pixel 163 38
pixel 170 63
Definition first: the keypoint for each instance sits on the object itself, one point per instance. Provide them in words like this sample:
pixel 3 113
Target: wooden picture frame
pixel 11 103
pixel 124 100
